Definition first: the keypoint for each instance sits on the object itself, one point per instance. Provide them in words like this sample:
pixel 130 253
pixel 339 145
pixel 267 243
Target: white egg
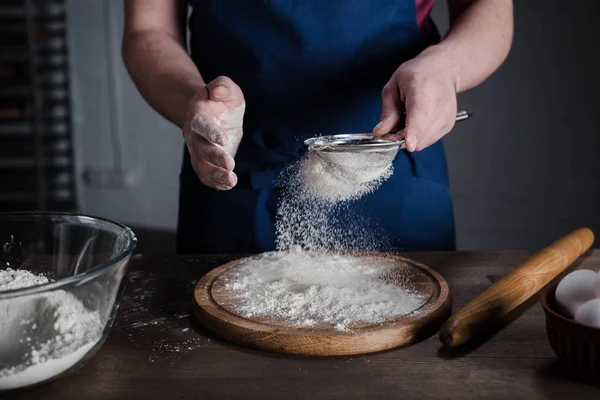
pixel 574 290
pixel 597 285
pixel 589 314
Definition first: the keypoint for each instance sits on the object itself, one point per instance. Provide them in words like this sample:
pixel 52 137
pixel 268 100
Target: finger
pixel 411 138
pixel 419 118
pixel 412 133
pixel 208 129
pixel 213 176
pixel 448 124
pixel 426 122
pixel 391 110
pixel 223 89
pixel 396 137
pixel 218 91
pixel 205 150
pixel 429 140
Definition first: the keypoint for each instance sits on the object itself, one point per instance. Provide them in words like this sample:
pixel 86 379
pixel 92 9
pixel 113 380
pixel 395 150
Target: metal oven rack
pixel 36 146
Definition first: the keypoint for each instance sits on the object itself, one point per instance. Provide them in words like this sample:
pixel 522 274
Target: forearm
pixel 162 71
pixel 478 41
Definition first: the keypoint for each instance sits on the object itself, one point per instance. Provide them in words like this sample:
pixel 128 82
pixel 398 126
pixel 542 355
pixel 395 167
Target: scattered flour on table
pixel 155 313
pixel 305 289
pixel 43 334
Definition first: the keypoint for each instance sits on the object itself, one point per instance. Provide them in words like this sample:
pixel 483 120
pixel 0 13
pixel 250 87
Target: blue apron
pixel 308 67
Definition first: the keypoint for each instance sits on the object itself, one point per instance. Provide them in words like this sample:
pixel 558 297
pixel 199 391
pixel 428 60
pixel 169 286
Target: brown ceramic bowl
pixel 576 345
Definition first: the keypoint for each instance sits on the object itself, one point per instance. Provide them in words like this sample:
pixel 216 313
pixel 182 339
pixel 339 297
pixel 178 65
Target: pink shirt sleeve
pixel 423 10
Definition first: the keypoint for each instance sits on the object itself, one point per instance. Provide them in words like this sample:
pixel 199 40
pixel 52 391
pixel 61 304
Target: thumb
pixel 390 111
pixel 224 90
pixel 218 90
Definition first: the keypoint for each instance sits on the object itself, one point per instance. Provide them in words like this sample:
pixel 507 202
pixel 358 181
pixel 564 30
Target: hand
pixel 426 88
pixel 213 130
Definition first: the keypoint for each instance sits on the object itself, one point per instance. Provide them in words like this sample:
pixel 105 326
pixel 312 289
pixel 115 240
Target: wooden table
pixel 157 350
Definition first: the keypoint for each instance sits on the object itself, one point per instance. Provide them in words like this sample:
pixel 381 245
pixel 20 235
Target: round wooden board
pixel 216 311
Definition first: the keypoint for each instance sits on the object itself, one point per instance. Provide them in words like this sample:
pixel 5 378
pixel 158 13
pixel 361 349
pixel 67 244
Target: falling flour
pixel 305 289
pixel 343 176
pixel 304 283
pixel 43 334
pixel 320 222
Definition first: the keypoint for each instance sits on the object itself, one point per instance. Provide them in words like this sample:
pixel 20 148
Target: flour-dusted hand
pixel 426 89
pixel 213 130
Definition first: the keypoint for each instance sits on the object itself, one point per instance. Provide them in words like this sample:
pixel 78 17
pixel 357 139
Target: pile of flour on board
pixel 42 335
pixel 305 289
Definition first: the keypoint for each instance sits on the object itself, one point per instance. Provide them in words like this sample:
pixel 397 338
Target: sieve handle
pixel 460 116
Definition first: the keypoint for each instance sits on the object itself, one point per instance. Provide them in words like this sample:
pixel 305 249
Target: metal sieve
pixel 343 150
pixel 353 143
pixel 386 146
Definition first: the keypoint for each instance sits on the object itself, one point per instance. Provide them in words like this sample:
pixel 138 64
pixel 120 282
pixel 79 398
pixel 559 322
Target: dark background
pixel 524 170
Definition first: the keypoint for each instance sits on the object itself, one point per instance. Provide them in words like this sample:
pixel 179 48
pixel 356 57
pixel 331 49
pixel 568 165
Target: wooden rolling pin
pixel 515 288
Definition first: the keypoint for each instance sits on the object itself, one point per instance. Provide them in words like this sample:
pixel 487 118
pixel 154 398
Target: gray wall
pixel 524 169
pixel 132 153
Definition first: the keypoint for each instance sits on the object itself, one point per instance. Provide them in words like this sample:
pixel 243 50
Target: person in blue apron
pixel 302 68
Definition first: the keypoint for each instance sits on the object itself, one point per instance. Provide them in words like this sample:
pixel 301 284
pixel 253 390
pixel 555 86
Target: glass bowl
pixel 49 329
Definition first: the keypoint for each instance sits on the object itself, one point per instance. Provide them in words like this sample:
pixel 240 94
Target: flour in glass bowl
pixel 42 335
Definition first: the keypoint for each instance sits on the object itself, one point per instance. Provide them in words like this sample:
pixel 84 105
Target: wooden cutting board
pixel 216 310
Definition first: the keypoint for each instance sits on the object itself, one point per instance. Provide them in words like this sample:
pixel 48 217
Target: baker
pixel 264 75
